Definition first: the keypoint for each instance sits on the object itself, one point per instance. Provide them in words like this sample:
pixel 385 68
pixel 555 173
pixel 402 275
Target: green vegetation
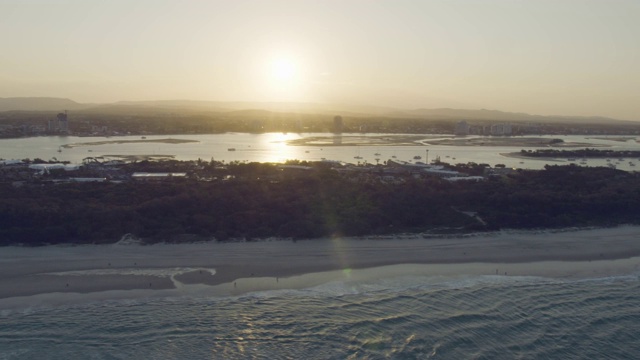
pixel 263 201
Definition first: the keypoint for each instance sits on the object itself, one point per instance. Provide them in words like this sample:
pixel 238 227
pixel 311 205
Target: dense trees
pixel 312 204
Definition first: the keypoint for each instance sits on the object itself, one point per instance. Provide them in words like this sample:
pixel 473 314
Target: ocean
pixel 405 317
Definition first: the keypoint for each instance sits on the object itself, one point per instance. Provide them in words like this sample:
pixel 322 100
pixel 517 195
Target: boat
pixel 231 149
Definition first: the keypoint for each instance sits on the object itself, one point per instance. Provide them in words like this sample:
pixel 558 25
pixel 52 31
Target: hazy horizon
pixel 572 58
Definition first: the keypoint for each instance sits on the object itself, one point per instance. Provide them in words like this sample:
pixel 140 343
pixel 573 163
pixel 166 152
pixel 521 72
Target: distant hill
pixel 187 107
pixel 39 104
pixel 495 115
pixel 234 106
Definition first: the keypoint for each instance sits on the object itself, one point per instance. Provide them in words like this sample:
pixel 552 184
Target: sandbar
pixel 238 267
pixel 422 140
pixel 131 158
pixel 357 140
pixel 617 138
pixel 518 155
pixel 510 141
pixel 109 142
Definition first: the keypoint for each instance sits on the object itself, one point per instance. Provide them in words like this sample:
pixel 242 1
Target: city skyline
pixel 573 58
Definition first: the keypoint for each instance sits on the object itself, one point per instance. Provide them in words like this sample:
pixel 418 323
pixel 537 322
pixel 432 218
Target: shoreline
pixel 213 268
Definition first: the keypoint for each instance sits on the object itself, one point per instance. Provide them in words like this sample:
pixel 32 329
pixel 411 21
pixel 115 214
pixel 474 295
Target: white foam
pixel 396 278
pixel 317 285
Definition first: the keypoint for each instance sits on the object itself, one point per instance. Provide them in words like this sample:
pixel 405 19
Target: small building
pixel 145 176
pixel 294 167
pixel 47 167
pixel 465 178
pixel 12 162
pixel 88 179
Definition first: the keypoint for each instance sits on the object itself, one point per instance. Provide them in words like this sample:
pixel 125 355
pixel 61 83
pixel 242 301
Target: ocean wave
pixel 363 282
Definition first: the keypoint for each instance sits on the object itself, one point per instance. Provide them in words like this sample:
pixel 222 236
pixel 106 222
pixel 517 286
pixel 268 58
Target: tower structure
pixel 338 124
pixel 63 123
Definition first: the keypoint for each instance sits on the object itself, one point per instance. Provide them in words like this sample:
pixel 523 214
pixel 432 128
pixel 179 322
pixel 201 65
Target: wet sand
pixel 232 268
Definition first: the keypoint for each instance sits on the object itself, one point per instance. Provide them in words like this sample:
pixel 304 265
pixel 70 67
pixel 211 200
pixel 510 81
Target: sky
pixel 547 57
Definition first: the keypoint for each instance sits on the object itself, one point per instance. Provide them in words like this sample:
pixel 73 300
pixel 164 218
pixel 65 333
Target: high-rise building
pixel 59 124
pixel 338 124
pixel 501 129
pixel 63 123
pixel 462 128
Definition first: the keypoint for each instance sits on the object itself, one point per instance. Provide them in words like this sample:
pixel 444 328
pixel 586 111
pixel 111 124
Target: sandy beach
pixel 235 268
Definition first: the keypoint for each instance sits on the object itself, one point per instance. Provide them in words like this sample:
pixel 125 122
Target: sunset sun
pixel 283 75
pixel 282 70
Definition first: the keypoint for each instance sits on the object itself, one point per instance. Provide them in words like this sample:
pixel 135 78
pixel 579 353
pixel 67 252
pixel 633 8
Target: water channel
pixel 275 147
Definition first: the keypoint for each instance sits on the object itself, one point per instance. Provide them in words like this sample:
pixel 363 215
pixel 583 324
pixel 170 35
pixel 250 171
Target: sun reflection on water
pixel 277 149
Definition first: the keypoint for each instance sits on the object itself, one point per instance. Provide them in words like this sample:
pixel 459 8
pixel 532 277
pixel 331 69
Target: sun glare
pixel 284 78
pixel 283 70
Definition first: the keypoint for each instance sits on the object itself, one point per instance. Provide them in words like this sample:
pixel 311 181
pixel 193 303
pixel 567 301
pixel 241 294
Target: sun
pixel 283 70
pixel 284 77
